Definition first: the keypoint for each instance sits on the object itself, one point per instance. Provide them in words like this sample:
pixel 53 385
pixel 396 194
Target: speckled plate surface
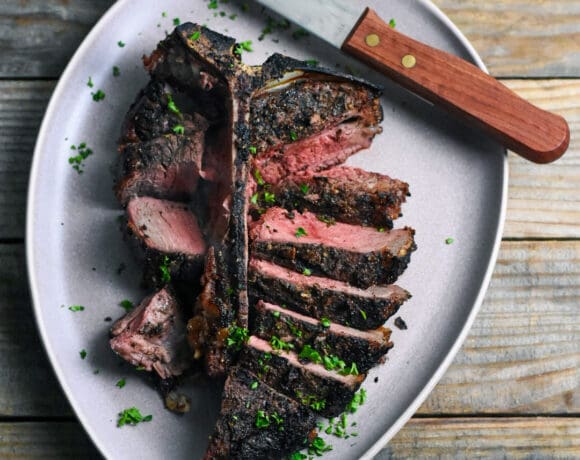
pixel 458 179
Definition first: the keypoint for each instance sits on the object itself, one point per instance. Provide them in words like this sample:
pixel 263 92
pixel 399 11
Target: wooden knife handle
pixel 461 87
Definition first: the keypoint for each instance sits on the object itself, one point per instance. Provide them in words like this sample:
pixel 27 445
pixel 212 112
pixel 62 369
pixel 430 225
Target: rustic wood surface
pixel 522 358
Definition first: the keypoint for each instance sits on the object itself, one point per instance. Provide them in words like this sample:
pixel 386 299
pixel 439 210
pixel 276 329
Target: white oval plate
pixel 458 179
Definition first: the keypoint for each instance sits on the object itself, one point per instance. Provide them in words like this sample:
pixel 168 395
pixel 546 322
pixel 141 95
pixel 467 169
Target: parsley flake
pixel 116 71
pixel 77 161
pixel 212 5
pixel 76 308
pixel 293 135
pixel 300 232
pixel 304 188
pixel 126 304
pixel 120 383
pixel 164 269
pixel 318 447
pixel 243 46
pixel 98 96
pixel 171 105
pixel 254 385
pixel 269 197
pixel 254 199
pixel 90 83
pixel 178 129
pixel 325 322
pixel 259 178
pixel 120 44
pixel 83 353
pixel 253 150
pixel 449 241
pixel 237 337
pixel 312 62
pixel 195 36
pixel 132 416
pixel 176 21
pixel 392 23
pixel 307 272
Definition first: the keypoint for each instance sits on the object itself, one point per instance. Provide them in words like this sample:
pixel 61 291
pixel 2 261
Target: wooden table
pixel 514 388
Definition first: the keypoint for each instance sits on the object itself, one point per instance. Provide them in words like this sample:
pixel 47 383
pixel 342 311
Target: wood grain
pixel 522 355
pixel 513 438
pixel 521 38
pixel 45 440
pixel 39 38
pixel 459 87
pixel 516 38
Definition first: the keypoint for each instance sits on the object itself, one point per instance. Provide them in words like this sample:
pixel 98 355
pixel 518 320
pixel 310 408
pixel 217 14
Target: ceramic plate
pixel 76 255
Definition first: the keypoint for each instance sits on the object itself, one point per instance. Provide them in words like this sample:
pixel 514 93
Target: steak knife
pixel 442 78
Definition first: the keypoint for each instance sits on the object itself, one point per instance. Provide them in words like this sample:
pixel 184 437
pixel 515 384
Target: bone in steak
pixel 363 348
pixel 320 297
pixel 257 422
pixel 361 256
pixel 152 335
pixel 166 234
pixel 286 372
pixel 344 194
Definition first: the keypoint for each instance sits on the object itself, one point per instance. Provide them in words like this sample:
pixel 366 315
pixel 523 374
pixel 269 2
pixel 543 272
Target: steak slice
pixel 258 423
pixel 324 298
pixel 152 335
pixel 168 239
pixel 165 167
pixel 361 256
pixel 345 194
pixel 273 323
pixel 326 391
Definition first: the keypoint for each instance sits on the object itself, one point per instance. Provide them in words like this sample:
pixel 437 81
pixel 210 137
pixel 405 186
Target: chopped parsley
pixel 298 456
pixel 325 322
pixel 304 188
pixel 293 329
pixel 307 272
pixel 195 36
pixel 178 129
pixel 243 46
pixel 83 353
pixel 269 197
pixel 132 416
pixel 333 362
pixel 310 354
pixel 254 199
pixel 120 44
pixel 300 232
pixel 171 105
pixel 233 16
pixel 293 135
pixel 176 21
pixel 312 62
pixel 279 344
pixel 363 314
pixel 76 308
pixel 263 420
pixel 99 95
pixel 120 383
pixel 276 314
pixel 77 161
pixel 212 5
pixel 381 230
pixel 116 71
pixel 311 401
pixel 259 178
pixel 352 370
pixel 164 14
pixel 90 83
pixel 126 304
pixel 252 150
pixel 392 23
pixel 449 241
pixel 327 220
pixel 358 400
pixel 299 33
pixel 318 447
pixel 254 385
pixel 237 337
pixel 271 25
pixel 164 269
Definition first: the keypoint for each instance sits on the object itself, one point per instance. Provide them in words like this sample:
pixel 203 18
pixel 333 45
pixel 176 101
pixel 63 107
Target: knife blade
pixel 442 78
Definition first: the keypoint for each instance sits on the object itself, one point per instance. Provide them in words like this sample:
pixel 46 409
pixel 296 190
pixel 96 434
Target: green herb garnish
pixel 276 314
pixel 299 33
pixel 132 416
pixel 304 188
pixel 212 5
pixel 195 36
pixel 310 354
pixel 120 383
pixel 243 46
pixel 126 304
pixel 120 44
pixel 449 241
pixel 76 308
pixel 363 314
pixel 254 385
pixel 178 129
pixel 98 96
pixel 279 344
pixel 312 62
pixel 253 150
pixel 318 447
pixel 77 161
pixel 90 83
pixel 392 23
pixel 293 135
pixel 269 197
pixel 325 322
pixel 262 419
pixel 176 21
pixel 237 337
pixel 258 176
pixel 164 269
pixel 83 353
pixel 254 199
pixel 171 105
pixel 116 71
pixel 300 232
pixel 307 272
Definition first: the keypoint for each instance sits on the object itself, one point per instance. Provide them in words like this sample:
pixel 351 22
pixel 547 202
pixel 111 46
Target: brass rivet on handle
pixel 372 40
pixel 409 61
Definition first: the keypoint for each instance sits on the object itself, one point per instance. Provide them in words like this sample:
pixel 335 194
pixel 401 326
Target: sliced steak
pixel 302 380
pixel 363 348
pixel 152 335
pixel 165 167
pixel 324 298
pixel 344 194
pixel 168 239
pixel 257 422
pixel 361 256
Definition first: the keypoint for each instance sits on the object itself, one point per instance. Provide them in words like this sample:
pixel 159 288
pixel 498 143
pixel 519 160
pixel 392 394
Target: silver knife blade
pixel 331 20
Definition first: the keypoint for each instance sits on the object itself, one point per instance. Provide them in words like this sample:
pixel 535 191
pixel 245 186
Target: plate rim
pixel 375 448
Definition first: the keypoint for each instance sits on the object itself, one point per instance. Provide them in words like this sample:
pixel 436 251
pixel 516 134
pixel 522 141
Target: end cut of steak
pixel 257 422
pixel 361 256
pixel 152 335
pixel 320 297
pixel 363 348
pixel 306 381
pixel 168 239
pixel 345 194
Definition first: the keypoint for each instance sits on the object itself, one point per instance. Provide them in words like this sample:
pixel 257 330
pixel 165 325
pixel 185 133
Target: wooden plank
pixel 522 356
pixel 513 438
pixel 22 105
pixel 455 438
pixel 27 383
pixel 39 38
pixel 544 201
pixel 45 440
pixel 517 38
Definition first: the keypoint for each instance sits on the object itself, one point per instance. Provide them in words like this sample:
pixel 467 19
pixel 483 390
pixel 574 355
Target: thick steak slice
pixel 361 256
pixel 257 422
pixel 165 167
pixel 345 194
pixel 152 335
pixel 168 239
pixel 302 380
pixel 324 298
pixel 363 348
